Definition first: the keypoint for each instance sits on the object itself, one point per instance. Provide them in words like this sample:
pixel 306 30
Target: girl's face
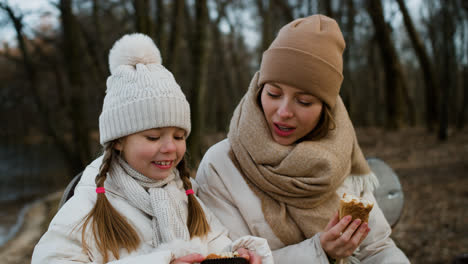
pixel 154 152
pixel 291 113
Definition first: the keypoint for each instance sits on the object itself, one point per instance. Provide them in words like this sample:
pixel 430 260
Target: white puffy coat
pixel 223 189
pixel 62 245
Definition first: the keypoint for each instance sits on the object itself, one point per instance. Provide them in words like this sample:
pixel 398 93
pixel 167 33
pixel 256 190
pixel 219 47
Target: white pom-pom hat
pixel 141 93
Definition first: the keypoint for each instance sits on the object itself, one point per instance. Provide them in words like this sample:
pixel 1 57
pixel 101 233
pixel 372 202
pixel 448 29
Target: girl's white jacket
pixel 223 189
pixel 62 241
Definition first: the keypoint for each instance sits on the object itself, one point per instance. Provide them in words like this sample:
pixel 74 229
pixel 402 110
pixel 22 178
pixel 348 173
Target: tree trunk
pixel 325 6
pixel 346 90
pixel 227 90
pixel 263 11
pixel 448 58
pixel 142 18
pixel 73 55
pixel 198 92
pixel 101 56
pixel 286 9
pixel 393 72
pixel 177 20
pixel 160 28
pixel 463 111
pixel 430 78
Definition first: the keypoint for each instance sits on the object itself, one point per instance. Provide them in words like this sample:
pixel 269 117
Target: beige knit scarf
pixel 296 184
pixel 164 200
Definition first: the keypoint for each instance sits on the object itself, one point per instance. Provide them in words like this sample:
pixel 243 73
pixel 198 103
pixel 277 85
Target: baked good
pixel 224 258
pixel 357 207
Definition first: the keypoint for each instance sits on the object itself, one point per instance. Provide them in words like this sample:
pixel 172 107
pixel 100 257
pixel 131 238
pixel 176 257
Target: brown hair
pixel 324 125
pixel 112 231
pixel 196 221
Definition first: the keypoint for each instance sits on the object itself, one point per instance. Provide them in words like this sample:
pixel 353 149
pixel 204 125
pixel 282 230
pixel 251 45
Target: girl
pixel 291 152
pixel 139 206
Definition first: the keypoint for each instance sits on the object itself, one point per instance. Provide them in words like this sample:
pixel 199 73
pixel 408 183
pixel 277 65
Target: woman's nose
pixel 284 110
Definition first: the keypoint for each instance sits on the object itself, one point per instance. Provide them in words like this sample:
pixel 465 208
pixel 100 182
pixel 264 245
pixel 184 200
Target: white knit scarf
pixel 157 198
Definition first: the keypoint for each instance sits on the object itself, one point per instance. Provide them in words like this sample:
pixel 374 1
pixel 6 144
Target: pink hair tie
pixel 188 192
pixel 100 190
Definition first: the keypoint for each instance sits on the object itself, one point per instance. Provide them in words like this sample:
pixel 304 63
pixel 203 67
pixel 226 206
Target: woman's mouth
pixel 283 130
pixel 163 165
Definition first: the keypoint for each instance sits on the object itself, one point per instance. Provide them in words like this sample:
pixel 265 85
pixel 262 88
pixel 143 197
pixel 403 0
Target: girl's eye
pixel 179 137
pixel 273 95
pixel 152 138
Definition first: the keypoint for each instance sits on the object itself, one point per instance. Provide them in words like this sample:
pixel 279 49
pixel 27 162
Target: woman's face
pixel 154 152
pixel 291 113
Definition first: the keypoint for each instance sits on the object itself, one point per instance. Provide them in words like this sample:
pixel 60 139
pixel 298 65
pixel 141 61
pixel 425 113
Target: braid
pixel 196 221
pixel 110 229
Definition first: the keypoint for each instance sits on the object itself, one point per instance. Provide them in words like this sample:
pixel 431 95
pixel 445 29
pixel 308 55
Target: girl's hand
pixel 189 259
pixel 341 238
pixel 250 256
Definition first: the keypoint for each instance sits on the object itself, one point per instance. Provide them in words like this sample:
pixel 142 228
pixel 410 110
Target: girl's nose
pixel 284 110
pixel 168 146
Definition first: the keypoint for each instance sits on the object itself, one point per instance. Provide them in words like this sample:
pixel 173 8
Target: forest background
pixel 405 68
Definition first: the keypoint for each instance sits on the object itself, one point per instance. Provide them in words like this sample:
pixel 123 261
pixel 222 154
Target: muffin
pixel 357 207
pixel 224 258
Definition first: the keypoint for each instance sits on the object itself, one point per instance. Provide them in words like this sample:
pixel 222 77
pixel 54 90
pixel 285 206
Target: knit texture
pixel 141 93
pixel 297 183
pixel 164 200
pixel 307 54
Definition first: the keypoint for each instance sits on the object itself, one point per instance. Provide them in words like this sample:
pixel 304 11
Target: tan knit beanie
pixel 307 54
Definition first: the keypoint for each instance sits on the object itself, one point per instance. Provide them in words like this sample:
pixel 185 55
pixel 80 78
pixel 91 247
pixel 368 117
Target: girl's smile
pixel 163 165
pixel 154 152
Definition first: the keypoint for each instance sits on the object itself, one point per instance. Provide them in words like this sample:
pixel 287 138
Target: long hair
pixel 196 221
pixel 324 125
pixel 110 229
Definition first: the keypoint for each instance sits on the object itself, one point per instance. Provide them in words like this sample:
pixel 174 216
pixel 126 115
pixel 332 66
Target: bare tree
pixel 395 84
pixel 160 28
pixel 177 21
pixel 430 77
pixel 198 91
pixel 448 67
pixel 75 162
pixel 264 9
pixel 142 18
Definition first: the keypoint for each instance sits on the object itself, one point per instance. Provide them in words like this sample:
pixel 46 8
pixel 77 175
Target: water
pixel 27 173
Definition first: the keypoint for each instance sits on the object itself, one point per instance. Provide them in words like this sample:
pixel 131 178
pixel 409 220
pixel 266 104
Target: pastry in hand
pixel 357 207
pixel 225 258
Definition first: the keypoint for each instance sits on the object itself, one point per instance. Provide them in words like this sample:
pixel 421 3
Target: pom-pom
pixel 132 49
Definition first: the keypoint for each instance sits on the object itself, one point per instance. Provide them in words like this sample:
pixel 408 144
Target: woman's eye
pixel 152 138
pixel 179 137
pixel 304 103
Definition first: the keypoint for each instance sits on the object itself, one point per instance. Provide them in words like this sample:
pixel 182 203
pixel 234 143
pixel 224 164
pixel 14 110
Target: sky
pixel 30 8
pixel 32 17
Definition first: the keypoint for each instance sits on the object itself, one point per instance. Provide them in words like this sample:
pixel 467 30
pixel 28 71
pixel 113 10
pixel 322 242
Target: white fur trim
pixel 133 49
pixel 180 248
pixel 363 183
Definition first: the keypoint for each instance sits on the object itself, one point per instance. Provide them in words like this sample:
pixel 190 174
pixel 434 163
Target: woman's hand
pixel 341 238
pixel 250 256
pixel 189 259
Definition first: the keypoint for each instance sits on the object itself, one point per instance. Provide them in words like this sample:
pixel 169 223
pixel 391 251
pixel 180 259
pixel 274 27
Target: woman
pixel 291 152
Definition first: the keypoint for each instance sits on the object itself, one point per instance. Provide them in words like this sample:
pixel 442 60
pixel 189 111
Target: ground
pixel 433 227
